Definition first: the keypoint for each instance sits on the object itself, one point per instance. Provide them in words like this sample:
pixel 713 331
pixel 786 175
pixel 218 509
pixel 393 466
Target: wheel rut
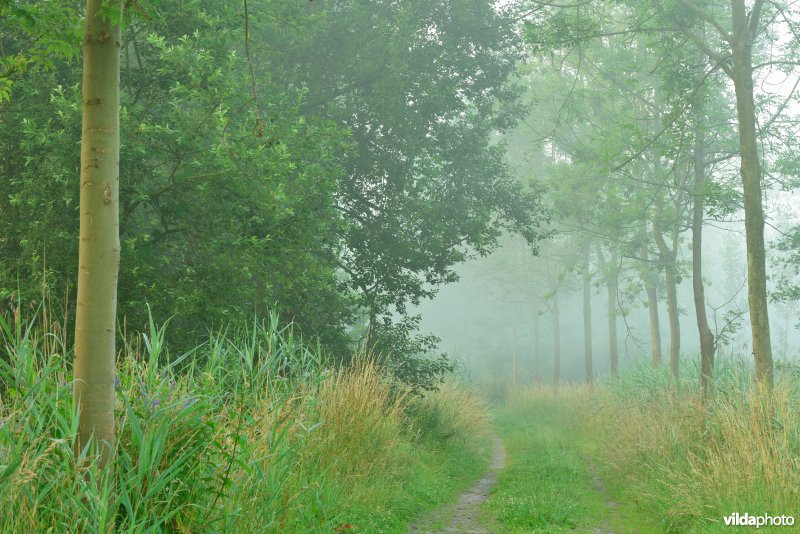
pixel 463 516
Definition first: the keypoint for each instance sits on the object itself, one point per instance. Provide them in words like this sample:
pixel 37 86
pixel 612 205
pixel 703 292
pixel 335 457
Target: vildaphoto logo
pixel 764 520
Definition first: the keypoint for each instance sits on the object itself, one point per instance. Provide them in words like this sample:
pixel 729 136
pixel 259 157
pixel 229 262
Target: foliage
pixel 427 184
pixel 409 356
pixel 227 204
pixel 266 162
pixel 43 34
pixel 787 258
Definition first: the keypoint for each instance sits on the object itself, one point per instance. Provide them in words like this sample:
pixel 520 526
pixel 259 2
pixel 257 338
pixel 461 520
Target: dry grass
pixel 258 435
pixel 452 412
pixel 687 461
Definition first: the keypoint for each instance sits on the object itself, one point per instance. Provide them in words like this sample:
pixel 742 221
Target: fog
pixel 491 312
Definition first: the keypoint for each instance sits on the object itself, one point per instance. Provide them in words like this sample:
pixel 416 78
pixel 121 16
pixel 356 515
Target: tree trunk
pixel 556 341
pixel 609 269
pixel 668 257
pixel 98 255
pixel 587 322
pixel 514 354
pixel 652 306
pixel 706 337
pixel 741 48
pixel 537 347
pixel 674 322
pixel 611 286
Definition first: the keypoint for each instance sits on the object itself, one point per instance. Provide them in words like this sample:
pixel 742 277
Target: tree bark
pixel 610 276
pixel 98 255
pixel 652 305
pixel 537 347
pixel 668 257
pixel 706 337
pixel 744 29
pixel 587 321
pixel 514 354
pixel 674 322
pixel 556 341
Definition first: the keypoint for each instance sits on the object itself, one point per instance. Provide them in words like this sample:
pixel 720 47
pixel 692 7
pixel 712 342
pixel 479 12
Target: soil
pixel 464 515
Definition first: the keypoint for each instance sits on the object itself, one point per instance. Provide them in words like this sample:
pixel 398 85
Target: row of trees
pixel 641 112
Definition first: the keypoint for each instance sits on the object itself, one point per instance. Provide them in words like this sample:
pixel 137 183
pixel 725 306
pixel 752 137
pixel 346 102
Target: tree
pixel 745 30
pixel 587 314
pixel 425 89
pixel 707 347
pixel 221 215
pixel 648 279
pixel 610 270
pixel 671 26
pixel 668 256
pixel 99 253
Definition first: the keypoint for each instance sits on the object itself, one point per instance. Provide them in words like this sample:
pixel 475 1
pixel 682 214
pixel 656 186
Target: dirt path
pixel 600 488
pixel 462 517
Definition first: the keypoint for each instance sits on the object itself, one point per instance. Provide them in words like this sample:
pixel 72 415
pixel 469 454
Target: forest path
pixel 463 515
pixel 556 479
pixel 611 504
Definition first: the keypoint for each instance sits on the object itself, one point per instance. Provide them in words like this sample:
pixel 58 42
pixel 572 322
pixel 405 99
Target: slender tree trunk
pixel 706 337
pixel 655 326
pixel 609 269
pixel 556 341
pixel 652 305
pixel 744 29
pixel 674 322
pixel 98 255
pixel 611 286
pixel 537 347
pixel 668 257
pixel 514 354
pixel 587 321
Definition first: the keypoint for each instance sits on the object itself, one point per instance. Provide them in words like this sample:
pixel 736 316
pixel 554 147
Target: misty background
pixel 490 311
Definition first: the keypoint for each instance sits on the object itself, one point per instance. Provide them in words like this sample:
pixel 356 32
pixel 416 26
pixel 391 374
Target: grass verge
pixel 671 462
pixel 550 483
pixel 252 432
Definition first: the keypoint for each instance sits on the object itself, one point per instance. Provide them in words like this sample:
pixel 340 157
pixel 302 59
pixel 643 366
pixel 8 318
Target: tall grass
pixel 250 432
pixel 686 461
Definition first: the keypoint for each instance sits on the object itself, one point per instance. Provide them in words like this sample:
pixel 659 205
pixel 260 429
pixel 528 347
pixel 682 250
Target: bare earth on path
pixel 463 515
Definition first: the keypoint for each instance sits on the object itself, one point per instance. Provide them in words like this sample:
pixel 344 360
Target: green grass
pixel 547 485
pixel 252 432
pixel 434 477
pixel 672 462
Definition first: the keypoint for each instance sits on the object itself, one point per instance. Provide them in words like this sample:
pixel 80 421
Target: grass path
pixel 551 483
pixel 465 514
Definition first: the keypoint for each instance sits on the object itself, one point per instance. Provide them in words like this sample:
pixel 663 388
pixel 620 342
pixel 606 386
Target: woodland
pixel 222 223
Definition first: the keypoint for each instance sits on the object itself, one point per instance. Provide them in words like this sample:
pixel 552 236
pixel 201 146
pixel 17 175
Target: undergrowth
pixel 251 432
pixel 684 462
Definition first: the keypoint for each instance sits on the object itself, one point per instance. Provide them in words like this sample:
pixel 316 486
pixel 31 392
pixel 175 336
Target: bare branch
pixel 780 108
